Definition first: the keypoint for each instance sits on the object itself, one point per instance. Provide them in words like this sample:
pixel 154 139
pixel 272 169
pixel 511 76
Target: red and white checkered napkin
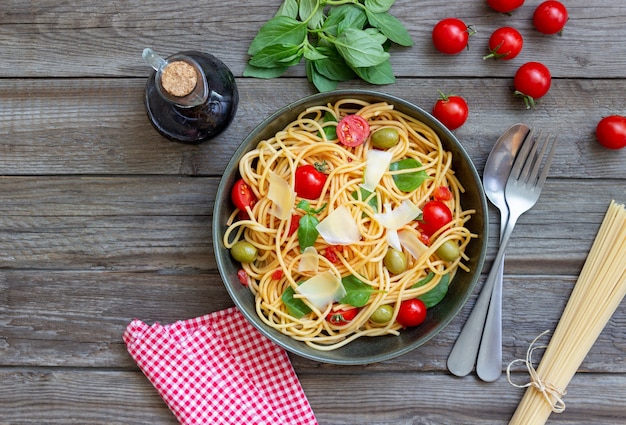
pixel 218 369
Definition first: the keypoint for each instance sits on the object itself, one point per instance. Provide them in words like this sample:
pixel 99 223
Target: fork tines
pixel 527 164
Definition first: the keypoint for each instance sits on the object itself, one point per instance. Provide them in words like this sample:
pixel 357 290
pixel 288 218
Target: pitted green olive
pixel 448 251
pixel 244 252
pixel 382 314
pixel 385 138
pixel 395 261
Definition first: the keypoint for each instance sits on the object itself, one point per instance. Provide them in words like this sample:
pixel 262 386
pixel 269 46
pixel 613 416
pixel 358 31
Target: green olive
pixel 244 252
pixel 385 138
pixel 382 314
pixel 395 261
pixel 448 251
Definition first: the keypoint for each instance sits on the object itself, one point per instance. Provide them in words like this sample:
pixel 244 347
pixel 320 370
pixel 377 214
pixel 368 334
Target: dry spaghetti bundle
pixel 276 274
pixel 596 295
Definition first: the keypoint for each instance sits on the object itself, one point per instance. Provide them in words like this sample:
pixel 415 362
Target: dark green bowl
pixel 367 349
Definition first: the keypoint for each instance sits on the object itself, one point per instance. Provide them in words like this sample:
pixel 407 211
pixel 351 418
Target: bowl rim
pixel 274 121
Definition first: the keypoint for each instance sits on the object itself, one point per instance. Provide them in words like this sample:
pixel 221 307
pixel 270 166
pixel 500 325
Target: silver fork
pixel 521 193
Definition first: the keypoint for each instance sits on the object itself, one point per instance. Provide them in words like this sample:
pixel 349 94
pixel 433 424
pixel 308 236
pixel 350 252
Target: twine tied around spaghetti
pixel 552 394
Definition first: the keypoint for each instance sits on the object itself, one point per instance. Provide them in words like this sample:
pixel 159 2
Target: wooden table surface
pixel 102 220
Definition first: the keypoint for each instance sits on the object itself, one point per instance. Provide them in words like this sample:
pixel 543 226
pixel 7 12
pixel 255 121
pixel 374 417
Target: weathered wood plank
pixel 67 40
pixel 33 396
pixel 100 126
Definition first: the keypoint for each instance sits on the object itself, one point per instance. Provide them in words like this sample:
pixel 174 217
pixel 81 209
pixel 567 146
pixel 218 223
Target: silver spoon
pixel 465 350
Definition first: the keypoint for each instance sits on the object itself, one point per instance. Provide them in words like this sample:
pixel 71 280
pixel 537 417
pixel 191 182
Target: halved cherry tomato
pixel 442 193
pixel 550 17
pixel 505 43
pixel 352 130
pixel 342 317
pixel 451 110
pixel 277 274
pixel 611 132
pixel 309 181
pixel 242 195
pixel 293 226
pixel 243 277
pixel 435 215
pixel 412 312
pixel 532 81
pixel 450 35
pixel 505 6
pixel 331 254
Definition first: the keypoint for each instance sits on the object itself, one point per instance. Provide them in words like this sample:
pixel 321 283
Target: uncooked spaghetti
pixel 282 264
pixel 598 291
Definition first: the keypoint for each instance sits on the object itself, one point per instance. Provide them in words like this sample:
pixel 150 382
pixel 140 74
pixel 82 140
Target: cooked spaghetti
pixel 282 265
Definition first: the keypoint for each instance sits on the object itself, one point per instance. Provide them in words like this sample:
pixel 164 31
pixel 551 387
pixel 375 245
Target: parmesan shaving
pixel 412 244
pixel 322 289
pixel 376 164
pixel 282 196
pixel 339 227
pixel 309 262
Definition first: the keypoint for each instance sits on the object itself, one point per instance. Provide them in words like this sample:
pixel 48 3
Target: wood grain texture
pixel 103 221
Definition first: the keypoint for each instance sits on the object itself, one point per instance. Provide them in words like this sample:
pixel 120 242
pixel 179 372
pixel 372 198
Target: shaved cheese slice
pixel 393 239
pixel 377 163
pixel 322 289
pixel 406 212
pixel 339 227
pixel 309 262
pixel 282 196
pixel 411 243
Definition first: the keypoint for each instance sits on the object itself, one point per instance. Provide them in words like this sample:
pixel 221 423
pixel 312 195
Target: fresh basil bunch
pixel 338 39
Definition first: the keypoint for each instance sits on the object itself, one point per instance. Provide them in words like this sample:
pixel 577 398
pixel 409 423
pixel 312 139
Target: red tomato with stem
pixel 412 312
pixel 505 43
pixel 242 195
pixel 550 17
pixel 352 130
pixel 505 6
pixel 451 35
pixel 611 132
pixel 532 81
pixel 310 180
pixel 451 110
pixel 435 215
pixel 342 317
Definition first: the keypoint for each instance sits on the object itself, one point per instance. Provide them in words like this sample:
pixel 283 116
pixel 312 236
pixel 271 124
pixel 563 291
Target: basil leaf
pixel 372 201
pixel 357 292
pixel 333 67
pixel 311 12
pixel 278 30
pixel 321 83
pixel 295 306
pixel 343 17
pixel 277 55
pixel 313 54
pixel 379 74
pixel 424 281
pixel 391 27
pixel 330 130
pixel 435 295
pixel 408 182
pixel 378 6
pixel 359 48
pixel 307 233
pixel 253 71
pixel 288 8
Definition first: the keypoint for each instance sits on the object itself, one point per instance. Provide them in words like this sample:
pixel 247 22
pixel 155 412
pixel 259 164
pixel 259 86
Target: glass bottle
pixel 190 96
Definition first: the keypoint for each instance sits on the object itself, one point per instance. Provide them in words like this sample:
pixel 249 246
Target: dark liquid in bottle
pixel 199 123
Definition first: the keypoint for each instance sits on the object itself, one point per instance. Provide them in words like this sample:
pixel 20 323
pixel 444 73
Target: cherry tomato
pixel 451 35
pixel 331 254
pixel 611 132
pixel 550 17
pixel 243 277
pixel 342 317
pixel 412 312
pixel 352 130
pixel 505 43
pixel 505 6
pixel 435 215
pixel 242 195
pixel 277 274
pixel 451 110
pixel 532 81
pixel 442 193
pixel 309 181
pixel 293 226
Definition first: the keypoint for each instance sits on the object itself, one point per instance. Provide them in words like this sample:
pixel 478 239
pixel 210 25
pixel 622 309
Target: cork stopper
pixel 179 78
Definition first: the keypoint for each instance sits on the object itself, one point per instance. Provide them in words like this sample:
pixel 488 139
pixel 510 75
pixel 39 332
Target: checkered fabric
pixel 218 369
